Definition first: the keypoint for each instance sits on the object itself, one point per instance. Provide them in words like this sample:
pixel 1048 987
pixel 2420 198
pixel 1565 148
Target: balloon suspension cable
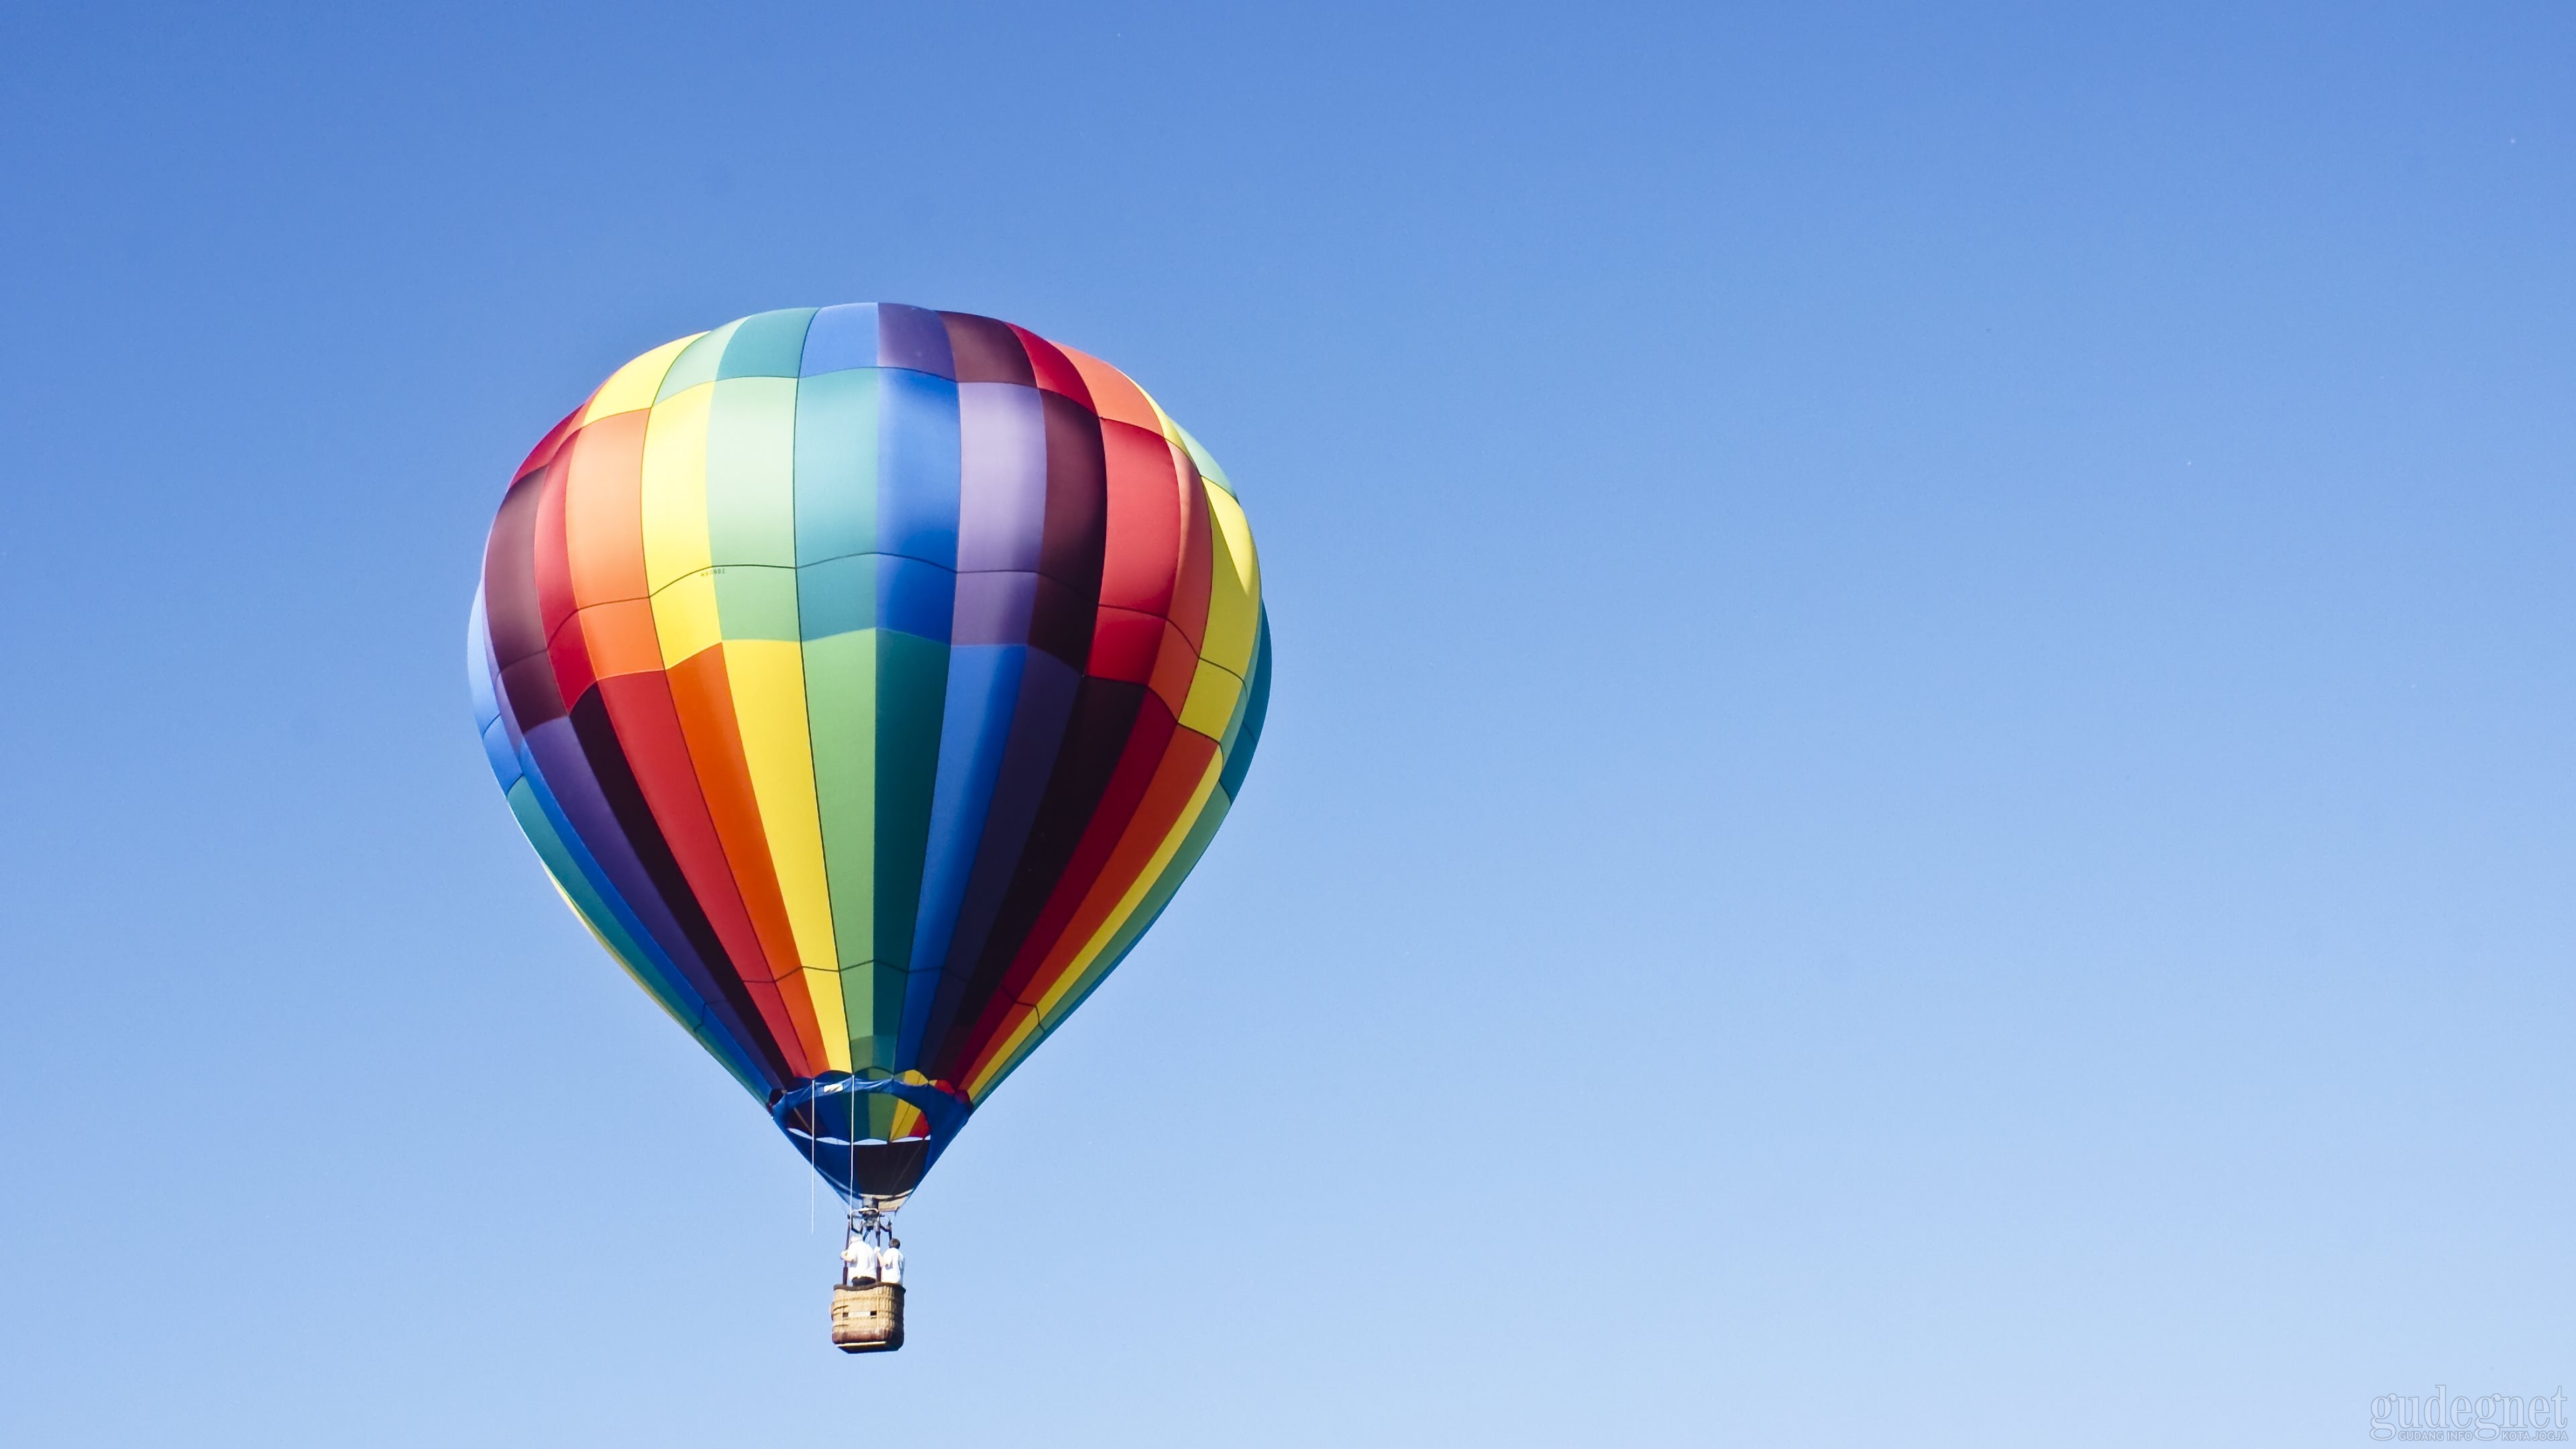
pixel 873 1227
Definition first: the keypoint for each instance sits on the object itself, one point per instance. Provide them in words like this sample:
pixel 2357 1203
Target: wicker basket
pixel 869 1319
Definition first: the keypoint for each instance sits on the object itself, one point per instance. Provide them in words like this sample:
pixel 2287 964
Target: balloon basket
pixel 868 1319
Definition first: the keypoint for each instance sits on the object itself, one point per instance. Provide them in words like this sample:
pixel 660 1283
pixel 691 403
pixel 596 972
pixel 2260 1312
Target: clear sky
pixel 1917 792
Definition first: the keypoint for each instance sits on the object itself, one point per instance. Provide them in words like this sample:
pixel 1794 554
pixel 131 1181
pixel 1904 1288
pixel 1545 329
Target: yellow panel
pixel 823 988
pixel 1211 704
pixel 1171 430
pixel 1001 1054
pixel 768 679
pixel 631 388
pixel 684 616
pixel 674 488
pixel 1234 587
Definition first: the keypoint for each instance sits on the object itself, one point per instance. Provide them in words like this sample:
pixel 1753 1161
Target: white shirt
pixel 862 1260
pixel 890 1265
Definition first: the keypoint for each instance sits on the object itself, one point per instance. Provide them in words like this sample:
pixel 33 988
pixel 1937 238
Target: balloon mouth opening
pixel 872 1156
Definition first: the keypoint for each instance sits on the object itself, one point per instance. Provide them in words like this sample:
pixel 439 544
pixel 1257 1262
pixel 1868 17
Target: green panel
pixel 841 714
pixel 696 362
pixel 836 465
pixel 855 1004
pixel 884 989
pixel 751 472
pixel 881 1107
pixel 767 344
pixel 912 694
pixel 756 603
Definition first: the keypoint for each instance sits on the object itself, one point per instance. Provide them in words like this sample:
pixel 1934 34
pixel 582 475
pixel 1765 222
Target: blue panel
pixel 841 337
pixel 478 663
pixel 917 462
pixel 915 597
pixel 983 689
pixel 1039 716
pixel 875 591
pixel 498 753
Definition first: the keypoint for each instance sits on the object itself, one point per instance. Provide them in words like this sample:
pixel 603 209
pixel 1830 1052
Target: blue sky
pixel 1917 790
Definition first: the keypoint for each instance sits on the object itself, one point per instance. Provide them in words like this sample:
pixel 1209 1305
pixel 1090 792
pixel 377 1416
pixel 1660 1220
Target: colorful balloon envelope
pixel 868 678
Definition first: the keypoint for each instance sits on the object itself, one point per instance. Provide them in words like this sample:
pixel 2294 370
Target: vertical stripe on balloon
pixel 868 678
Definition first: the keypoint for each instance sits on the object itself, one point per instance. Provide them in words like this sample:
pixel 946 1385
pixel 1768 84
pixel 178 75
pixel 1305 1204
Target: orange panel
pixel 604 509
pixel 704 698
pixel 622 638
pixel 1112 395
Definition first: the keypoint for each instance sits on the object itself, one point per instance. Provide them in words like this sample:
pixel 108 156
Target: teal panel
pixel 838 595
pixel 696 362
pixel 836 464
pixel 912 692
pixel 767 344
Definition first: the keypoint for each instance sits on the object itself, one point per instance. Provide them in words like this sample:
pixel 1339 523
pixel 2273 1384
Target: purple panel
pixel 986 350
pixel 914 338
pixel 556 748
pixel 1061 622
pixel 1038 719
pixel 993 608
pixel 529 686
pixel 1002 463
pixel 510 574
pixel 1077 503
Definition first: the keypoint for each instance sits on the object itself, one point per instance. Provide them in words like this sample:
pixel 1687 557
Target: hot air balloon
pixel 868 678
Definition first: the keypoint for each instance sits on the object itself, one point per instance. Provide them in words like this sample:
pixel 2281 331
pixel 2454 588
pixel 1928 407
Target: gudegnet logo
pixel 2440 1416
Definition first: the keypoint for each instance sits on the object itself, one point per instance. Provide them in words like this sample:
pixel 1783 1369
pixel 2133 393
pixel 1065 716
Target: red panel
pixel 1112 395
pixel 1176 667
pixel 544 452
pixel 1143 552
pixel 1198 556
pixel 569 652
pixel 647 721
pixel 553 571
pixel 1123 645
pixel 704 697
pixel 1055 371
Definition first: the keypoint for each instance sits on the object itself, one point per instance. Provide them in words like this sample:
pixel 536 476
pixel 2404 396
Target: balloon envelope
pixel 868 678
